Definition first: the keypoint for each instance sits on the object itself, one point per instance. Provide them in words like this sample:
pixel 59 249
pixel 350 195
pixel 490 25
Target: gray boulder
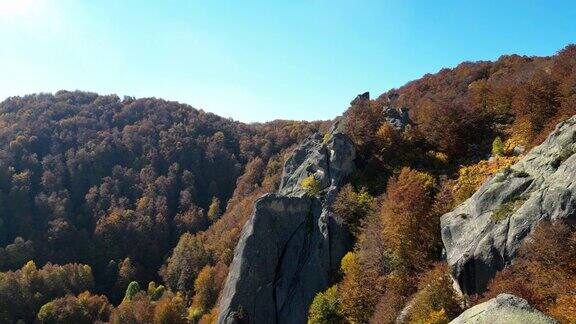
pixel 398 118
pixel 291 247
pixel 504 309
pixel 483 234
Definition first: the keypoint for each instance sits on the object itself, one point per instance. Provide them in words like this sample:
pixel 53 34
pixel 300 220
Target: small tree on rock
pixel 311 185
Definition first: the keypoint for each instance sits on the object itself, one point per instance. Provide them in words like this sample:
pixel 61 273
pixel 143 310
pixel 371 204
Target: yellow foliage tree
pixel 325 308
pixel 311 185
pixel 204 288
pixel 437 317
pixel 170 309
pixel 436 300
pixel 471 177
pixel 564 309
pixel 358 296
pixel 214 210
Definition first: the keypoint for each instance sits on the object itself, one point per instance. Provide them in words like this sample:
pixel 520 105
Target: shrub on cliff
pixel 311 185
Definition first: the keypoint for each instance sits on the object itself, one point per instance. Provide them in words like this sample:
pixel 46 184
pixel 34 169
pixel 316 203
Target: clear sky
pixel 261 60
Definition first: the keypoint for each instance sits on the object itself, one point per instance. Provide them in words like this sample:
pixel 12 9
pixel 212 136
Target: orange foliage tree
pixel 544 272
pixel 410 230
pixel 436 300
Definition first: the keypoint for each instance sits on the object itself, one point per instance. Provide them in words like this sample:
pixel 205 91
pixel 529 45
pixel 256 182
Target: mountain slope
pixel 464 125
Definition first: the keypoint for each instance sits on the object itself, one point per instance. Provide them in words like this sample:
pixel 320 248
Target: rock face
pixel 292 245
pixel 329 159
pixel 504 308
pixel 482 235
pixel 397 118
pixel 360 98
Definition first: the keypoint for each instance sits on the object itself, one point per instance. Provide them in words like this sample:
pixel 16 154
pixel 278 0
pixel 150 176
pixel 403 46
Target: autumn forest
pixel 128 210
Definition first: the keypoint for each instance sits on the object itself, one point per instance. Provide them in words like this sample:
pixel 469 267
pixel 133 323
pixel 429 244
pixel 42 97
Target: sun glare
pixel 20 8
pixel 17 7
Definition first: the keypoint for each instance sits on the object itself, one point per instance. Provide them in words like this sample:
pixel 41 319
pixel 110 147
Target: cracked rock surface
pixel 505 308
pixel 483 234
pixel 292 244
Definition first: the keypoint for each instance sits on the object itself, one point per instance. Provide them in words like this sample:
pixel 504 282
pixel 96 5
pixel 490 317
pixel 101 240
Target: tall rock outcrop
pixel 483 234
pixel 291 247
pixel 505 308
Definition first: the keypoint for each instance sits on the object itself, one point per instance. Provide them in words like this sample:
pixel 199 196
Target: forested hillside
pixel 465 124
pixel 129 210
pixel 113 184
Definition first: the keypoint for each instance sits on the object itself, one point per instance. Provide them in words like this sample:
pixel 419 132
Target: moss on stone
pixel 507 209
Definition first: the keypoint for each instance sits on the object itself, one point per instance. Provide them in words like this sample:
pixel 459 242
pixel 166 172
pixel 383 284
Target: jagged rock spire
pixel 291 247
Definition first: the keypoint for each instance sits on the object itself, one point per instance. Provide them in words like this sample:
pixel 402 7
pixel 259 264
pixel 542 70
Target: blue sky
pixel 262 60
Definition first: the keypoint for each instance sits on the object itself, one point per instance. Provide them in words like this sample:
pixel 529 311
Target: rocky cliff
pixel 291 247
pixel 482 235
pixel 505 308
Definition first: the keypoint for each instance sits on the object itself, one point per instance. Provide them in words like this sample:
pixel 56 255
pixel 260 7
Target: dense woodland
pixel 111 186
pixel 128 210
